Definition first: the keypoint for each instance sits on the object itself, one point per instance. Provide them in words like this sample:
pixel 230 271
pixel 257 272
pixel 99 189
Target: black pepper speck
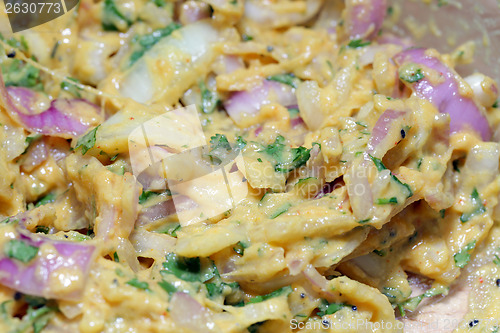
pixel 302 295
pixel 498 282
pixel 473 323
pixel 354 308
pixel 403 133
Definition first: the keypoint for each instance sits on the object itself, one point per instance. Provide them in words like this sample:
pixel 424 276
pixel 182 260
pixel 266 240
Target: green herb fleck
pixel 42 229
pixel 189 269
pixel 19 74
pixel 285 158
pixel 138 284
pixel 462 258
pixel 71 87
pixel 283 209
pixel 20 250
pixel 410 73
pixel 280 292
pixel 240 248
pixel 168 287
pixel 209 100
pixel 288 79
pixel 113 19
pixel 87 141
pixel 146 42
pixel 326 308
pixel 387 201
pixel 49 198
pixel 356 43
pixel 478 209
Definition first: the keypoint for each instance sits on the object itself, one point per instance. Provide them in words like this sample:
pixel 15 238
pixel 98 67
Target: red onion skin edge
pixel 365 19
pixel 51 121
pixel 33 278
pixel 445 96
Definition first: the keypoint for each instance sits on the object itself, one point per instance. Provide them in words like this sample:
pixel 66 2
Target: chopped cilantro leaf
pixel 326 308
pixel 386 201
pixel 113 19
pixel 146 195
pixel 168 287
pixel 279 292
pixel 462 258
pixel 240 248
pixel 17 73
pixel 172 229
pixel 209 99
pixel 20 250
pixel 29 141
pixel 496 261
pixel 378 163
pixel 281 210
pixel 189 269
pixel 42 229
pixel 70 87
pixel 288 79
pixel 219 148
pixel 146 42
pixel 478 207
pixel 410 73
pixel 285 158
pixel 294 112
pixel 159 3
pixel 49 198
pixel 138 284
pixel 87 141
pixel 355 43
pixel 216 289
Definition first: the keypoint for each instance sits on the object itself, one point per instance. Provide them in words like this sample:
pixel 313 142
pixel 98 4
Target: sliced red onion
pixel 329 188
pixel 15 141
pixel 483 160
pixel 309 102
pixel 364 18
pixel 445 95
pixel 59 270
pixel 316 279
pixel 165 208
pixel 485 89
pixel 151 244
pixel 265 15
pixel 295 266
pixel 380 141
pixel 66 118
pixel 249 102
pixel 36 155
pixel 359 190
pixel 187 313
pixel 231 63
pixel 297 121
pixel 192 11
